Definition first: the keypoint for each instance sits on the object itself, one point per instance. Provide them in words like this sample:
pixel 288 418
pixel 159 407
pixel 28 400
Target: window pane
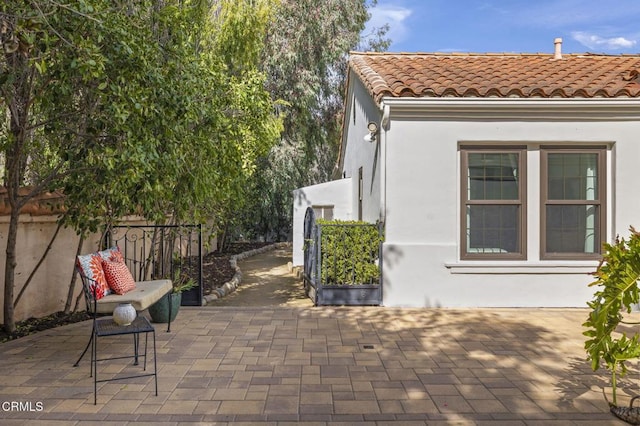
pixel 323 212
pixel 493 229
pixel 572 229
pixel 328 213
pixel 492 176
pixel 572 176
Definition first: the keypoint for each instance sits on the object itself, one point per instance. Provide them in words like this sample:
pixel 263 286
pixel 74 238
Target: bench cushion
pixel 145 295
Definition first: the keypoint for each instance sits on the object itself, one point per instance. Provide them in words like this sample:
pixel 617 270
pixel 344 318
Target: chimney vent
pixel 558 48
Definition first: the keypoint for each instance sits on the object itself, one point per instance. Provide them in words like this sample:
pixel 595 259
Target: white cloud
pixel 394 16
pixel 593 41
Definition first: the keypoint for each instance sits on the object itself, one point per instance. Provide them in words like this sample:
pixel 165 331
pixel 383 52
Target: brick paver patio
pixel 279 365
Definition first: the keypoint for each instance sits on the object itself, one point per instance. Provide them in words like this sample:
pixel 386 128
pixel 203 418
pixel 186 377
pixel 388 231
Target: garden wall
pixel 47 293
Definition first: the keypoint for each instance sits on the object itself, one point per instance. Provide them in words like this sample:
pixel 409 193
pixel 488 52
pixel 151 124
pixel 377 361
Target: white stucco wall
pixel 421 258
pixel 337 193
pixel 358 153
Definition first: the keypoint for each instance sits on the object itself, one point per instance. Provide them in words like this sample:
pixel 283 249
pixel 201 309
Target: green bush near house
pixel 350 252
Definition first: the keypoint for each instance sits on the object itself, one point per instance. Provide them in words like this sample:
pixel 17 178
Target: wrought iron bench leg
pixel 155 361
pixel 85 350
pixel 136 346
pixel 170 306
pixel 94 368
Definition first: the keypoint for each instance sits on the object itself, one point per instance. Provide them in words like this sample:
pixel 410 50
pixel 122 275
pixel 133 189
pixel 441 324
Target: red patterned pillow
pixel 91 266
pixel 113 254
pixel 118 276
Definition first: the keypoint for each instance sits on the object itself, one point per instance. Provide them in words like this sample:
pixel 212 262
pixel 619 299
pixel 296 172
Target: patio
pixel 239 360
pixel 291 364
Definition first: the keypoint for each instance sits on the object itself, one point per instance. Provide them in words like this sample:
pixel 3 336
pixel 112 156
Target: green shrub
pixel 617 281
pixel 350 252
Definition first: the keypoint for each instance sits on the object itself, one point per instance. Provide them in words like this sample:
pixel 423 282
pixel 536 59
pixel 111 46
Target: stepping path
pixel 267 282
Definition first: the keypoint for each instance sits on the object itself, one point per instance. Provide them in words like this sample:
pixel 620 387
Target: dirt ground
pixel 216 269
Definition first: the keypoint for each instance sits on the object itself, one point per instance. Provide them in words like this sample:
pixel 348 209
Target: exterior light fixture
pixel 373 132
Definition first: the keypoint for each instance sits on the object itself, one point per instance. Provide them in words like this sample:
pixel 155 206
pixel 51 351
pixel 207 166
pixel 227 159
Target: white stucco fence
pixel 337 194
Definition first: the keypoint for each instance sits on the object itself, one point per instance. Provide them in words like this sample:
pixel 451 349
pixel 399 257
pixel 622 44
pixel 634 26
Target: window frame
pixel 521 150
pixel 600 201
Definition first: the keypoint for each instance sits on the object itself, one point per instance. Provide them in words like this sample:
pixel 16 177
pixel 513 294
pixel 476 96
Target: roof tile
pixel 497 75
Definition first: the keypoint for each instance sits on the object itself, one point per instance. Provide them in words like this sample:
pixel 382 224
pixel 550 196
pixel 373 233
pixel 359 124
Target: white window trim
pixel 522 267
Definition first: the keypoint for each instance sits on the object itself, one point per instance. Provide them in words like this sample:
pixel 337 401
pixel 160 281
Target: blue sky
pixel 520 26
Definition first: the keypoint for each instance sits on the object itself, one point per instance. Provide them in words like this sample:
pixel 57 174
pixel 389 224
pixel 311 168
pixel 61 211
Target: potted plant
pixel 608 345
pixel 159 311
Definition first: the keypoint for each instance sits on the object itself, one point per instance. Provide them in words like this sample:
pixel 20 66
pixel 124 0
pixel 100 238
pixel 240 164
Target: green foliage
pixel 304 59
pixel 350 252
pixel 182 282
pixel 144 107
pixel 617 279
pixel 239 36
pixel 153 108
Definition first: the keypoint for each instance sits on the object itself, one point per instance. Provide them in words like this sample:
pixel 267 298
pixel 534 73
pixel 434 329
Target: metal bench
pixel 145 294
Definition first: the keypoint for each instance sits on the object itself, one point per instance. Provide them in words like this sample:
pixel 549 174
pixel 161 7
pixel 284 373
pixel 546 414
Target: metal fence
pixel 337 273
pixel 162 251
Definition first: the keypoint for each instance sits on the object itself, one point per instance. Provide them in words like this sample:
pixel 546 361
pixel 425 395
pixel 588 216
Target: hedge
pixel 350 252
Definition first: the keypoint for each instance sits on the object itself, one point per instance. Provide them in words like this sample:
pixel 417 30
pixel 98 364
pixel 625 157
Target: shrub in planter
pixel 350 252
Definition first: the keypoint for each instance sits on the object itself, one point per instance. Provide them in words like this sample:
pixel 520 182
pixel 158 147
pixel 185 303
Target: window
pixel 572 196
pixel 569 184
pixel 493 203
pixel 323 212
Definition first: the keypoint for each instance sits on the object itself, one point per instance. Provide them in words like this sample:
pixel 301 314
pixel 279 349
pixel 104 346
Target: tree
pixel 130 107
pixel 305 62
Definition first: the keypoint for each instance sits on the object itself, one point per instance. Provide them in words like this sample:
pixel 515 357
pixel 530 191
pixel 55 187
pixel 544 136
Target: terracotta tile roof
pixel 497 75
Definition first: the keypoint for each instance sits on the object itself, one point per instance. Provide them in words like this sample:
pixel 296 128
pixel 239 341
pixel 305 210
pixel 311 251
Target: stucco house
pixel 497 176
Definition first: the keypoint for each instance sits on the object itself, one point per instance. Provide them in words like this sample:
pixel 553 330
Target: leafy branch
pixel 617 278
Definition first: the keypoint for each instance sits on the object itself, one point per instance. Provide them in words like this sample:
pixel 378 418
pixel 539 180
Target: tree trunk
pixel 18 95
pixel 72 284
pixel 9 272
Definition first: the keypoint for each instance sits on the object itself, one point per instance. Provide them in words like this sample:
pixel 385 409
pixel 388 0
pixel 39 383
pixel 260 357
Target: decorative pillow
pixel 91 266
pixel 118 276
pixel 113 254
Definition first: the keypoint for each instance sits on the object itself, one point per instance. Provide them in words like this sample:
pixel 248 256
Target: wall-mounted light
pixel 373 132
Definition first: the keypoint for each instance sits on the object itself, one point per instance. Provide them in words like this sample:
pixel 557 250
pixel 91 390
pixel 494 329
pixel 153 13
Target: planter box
pixel 346 255
pixel 350 295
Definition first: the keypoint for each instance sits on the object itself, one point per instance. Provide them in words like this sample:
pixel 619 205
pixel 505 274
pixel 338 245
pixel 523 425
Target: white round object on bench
pixel 124 314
